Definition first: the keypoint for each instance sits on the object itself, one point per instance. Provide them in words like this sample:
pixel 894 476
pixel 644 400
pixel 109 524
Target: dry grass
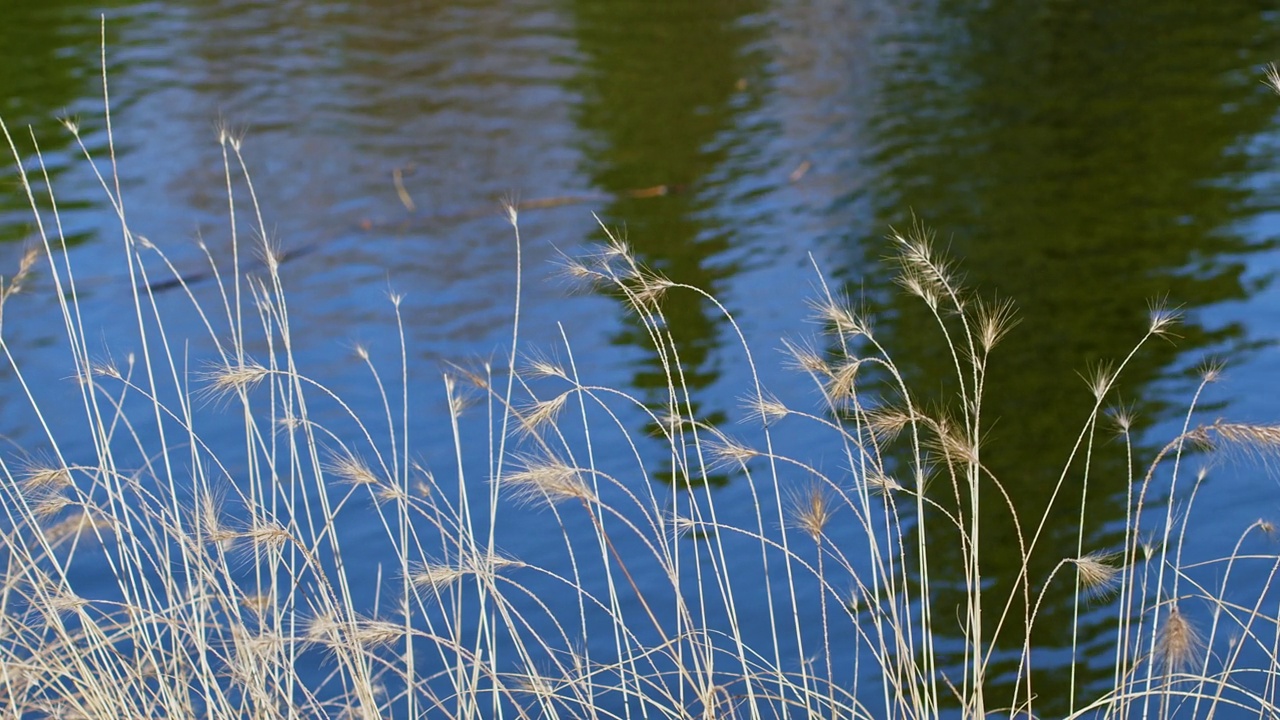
pixel 233 592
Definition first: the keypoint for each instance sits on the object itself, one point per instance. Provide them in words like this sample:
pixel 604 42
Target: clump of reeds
pixel 815 593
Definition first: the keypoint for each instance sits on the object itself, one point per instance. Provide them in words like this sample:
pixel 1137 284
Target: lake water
pixel 1079 158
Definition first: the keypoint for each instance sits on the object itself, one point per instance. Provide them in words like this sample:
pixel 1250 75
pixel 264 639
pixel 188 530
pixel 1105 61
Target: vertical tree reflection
pixel 1081 158
pixel 660 85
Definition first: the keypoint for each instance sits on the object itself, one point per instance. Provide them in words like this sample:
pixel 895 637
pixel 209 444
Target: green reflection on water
pixel 49 58
pixel 659 84
pixel 1082 159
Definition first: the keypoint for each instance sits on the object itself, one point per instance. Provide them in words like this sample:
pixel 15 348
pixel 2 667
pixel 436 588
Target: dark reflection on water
pixel 50 65
pixel 660 89
pixel 1083 159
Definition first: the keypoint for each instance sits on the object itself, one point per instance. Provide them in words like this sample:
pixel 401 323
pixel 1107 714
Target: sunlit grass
pixel 231 587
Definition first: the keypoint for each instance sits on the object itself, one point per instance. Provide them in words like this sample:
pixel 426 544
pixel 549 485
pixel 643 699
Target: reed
pixel 817 593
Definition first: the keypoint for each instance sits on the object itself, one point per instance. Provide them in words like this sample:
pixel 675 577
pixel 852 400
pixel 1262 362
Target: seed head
pixel 543 412
pixel 1162 318
pixel 353 469
pixel 995 320
pixel 1097 573
pixel 764 408
pixel 235 378
pixel 811 511
pixel 39 477
pixel 726 452
pixel 1179 642
pixel 549 480
pixel 1273 78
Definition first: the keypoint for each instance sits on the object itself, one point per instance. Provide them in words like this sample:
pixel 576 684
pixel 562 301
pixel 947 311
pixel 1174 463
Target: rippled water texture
pixel 1080 158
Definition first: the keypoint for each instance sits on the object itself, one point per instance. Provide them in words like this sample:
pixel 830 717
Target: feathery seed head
pixel 1149 549
pixel 995 320
pixel 1100 379
pixel 491 564
pixel 390 494
pixel 208 517
pixel 843 385
pixel 726 452
pixel 919 285
pixel 887 422
pixel 235 378
pixel 811 510
pixel 38 477
pixel 1162 318
pixel 881 484
pixel 955 442
pixel 253 650
pixel 806 359
pixel 50 505
pixel 764 408
pixel 1123 417
pixel 1097 572
pixel 853 601
pixel 477 377
pixel 105 369
pixel 924 273
pixel 273 254
pixel 433 575
pixel 1211 369
pixel 19 278
pixel 1178 643
pixel 532 682
pixel 1273 77
pixel 378 633
pixel 549 480
pixel 65 600
pixel 257 603
pixel 441 575
pixel 579 271
pixel 541 366
pixel 353 469
pixel 616 247
pixel 543 412
pixel 649 289
pixel 1258 438
pixel 323 629
pixel 681 525
pixel 839 317
pixel 268 533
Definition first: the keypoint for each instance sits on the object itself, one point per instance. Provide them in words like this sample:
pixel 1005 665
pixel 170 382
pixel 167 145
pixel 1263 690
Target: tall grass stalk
pixel 230 572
